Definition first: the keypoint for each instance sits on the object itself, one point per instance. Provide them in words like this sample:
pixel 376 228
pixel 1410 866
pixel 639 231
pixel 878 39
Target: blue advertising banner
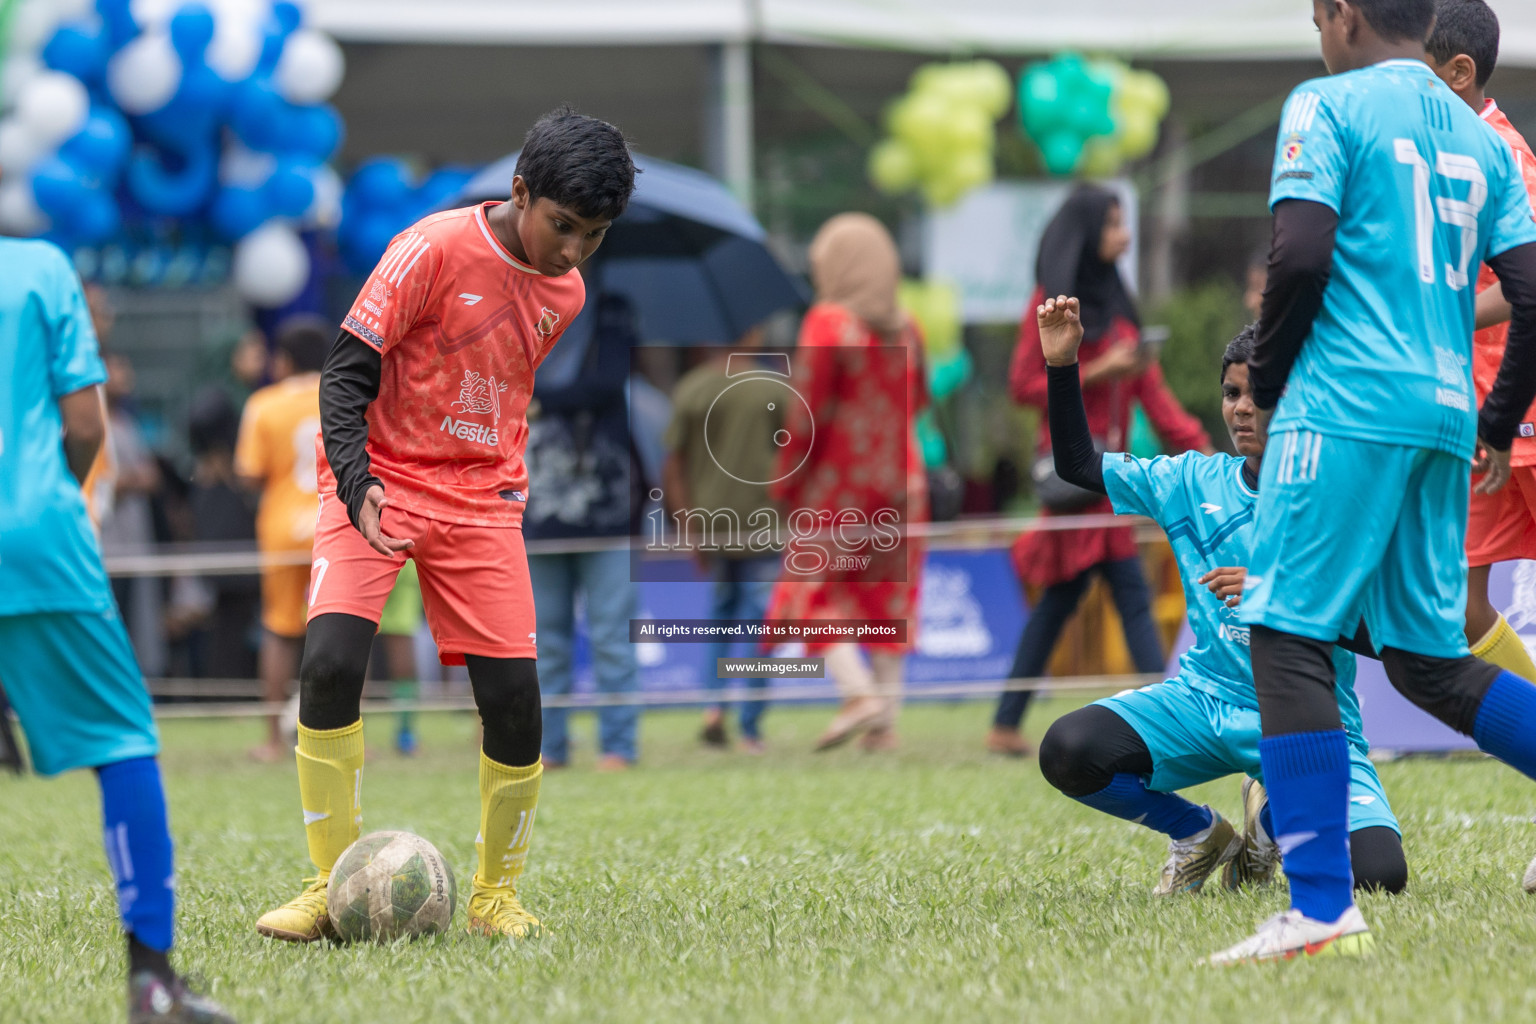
pixel 971 613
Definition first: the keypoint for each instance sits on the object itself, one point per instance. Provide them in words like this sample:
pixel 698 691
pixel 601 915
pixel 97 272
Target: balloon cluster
pixel 935 305
pixel 208 115
pixel 380 202
pixel 1090 116
pixel 942 131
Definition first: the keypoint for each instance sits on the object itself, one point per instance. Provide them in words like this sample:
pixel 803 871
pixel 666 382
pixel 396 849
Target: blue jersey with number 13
pixel 1425 192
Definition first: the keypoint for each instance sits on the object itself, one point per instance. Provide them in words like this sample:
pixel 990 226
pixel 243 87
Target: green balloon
pixel 1061 150
pixel 1063 103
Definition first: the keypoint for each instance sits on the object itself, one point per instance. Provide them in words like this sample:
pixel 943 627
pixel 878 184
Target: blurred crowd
pixel 605 445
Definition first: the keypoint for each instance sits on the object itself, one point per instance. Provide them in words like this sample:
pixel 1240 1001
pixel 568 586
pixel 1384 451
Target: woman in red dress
pixel 1077 257
pixel 849 461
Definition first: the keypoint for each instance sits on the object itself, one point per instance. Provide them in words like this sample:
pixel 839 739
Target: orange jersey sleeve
pixel 1488 344
pixel 461 325
pixel 277 447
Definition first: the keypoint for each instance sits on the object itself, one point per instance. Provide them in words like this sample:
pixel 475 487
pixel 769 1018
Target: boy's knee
pixel 1067 757
pixel 1451 689
pixel 1377 860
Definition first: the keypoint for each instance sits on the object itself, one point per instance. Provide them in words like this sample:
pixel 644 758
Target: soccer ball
pixel 390 884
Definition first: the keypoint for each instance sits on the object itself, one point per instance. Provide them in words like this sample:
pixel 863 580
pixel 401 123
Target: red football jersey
pixel 1488 344
pixel 461 324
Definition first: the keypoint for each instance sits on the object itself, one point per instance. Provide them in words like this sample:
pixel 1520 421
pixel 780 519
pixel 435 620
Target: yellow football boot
pixel 303 918
pixel 497 912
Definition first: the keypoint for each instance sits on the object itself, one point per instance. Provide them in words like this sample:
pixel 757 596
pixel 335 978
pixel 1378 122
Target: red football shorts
pixel 474 580
pixel 1502 527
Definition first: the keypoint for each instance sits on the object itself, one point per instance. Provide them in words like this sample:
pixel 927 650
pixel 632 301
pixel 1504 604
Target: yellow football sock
pixel 508 798
pixel 331 788
pixel 1504 648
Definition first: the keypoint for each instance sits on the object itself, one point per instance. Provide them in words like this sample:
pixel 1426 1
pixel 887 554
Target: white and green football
pixel 389 885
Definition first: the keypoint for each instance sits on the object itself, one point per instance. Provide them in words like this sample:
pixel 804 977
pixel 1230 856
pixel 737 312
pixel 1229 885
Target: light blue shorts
pixel 1195 738
pixel 76 688
pixel 1348 528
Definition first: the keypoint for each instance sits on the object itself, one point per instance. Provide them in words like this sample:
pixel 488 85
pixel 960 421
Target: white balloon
pixel 310 68
pixel 271 265
pixel 325 211
pixel 53 106
pixel 33 25
pixel 151 15
pixel 19 214
pixel 20 68
pixel 236 47
pixel 246 168
pixel 145 74
pixel 19 148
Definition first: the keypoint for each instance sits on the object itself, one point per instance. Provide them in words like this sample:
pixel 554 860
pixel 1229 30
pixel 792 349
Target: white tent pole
pixel 729 122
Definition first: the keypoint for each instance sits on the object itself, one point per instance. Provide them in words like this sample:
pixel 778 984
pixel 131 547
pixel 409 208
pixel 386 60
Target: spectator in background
pixel 1253 283
pixel 584 484
pixel 719 444
pixel 222 515
pixel 865 459
pixel 128 526
pixel 1077 257
pixel 275 454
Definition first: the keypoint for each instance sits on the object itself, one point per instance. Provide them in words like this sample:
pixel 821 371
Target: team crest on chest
pixel 548 322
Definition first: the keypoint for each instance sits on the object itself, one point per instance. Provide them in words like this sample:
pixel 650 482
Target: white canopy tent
pixel 1138 28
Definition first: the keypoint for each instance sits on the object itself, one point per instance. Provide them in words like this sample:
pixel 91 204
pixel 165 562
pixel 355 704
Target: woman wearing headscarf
pixel 1077 257
pixel 850 461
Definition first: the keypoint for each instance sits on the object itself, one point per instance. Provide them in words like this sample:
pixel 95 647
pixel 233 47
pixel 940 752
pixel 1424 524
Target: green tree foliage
pixel 1203 319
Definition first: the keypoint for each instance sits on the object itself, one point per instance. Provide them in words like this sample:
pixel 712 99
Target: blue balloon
pixel 288 16
pixel 440 186
pixel 173 191
pixel 192 31
pixel 255 110
pixel 380 184
pixel 79 50
pixel 101 147
pixel 364 239
pixel 290 190
pixel 59 187
pixel 96 219
pixel 314 132
pixel 238 211
pixel 118 20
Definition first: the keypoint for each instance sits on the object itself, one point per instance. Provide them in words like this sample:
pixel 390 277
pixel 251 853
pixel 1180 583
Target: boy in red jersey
pixel 423 406
pixel 1463 48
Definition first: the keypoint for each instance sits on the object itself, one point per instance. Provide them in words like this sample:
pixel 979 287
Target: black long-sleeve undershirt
pixel 349 383
pixel 1515 387
pixel 1300 263
pixel 1077 461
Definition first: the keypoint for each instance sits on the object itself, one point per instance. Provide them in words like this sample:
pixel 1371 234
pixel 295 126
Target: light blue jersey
pixel 49 558
pixel 1425 192
pixel 1207 512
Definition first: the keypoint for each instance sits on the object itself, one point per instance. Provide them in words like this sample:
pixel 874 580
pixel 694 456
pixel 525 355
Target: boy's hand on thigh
pixel 1493 465
pixel 370 524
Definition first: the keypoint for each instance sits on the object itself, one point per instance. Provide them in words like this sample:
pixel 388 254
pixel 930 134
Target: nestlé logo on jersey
pixel 378 296
pixel 478 396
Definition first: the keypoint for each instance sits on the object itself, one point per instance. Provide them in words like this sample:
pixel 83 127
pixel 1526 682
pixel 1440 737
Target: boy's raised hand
pixel 1061 330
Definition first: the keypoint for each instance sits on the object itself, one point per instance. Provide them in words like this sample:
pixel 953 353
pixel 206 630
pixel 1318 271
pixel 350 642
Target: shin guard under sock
pixel 1128 797
pixel 1307 777
pixel 137 836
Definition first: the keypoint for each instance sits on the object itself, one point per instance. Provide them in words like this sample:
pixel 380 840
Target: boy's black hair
pixel 578 162
pixel 1469 27
pixel 1395 19
pixel 1239 348
pixel 213 423
pixel 306 340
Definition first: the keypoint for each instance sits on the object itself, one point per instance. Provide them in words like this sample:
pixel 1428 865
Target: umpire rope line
pixel 952 535
pixel 969 689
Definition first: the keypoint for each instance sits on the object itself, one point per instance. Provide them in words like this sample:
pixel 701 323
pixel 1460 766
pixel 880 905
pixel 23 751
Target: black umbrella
pixel 691 259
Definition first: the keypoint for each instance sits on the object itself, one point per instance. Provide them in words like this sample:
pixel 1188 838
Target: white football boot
pixel 1292 934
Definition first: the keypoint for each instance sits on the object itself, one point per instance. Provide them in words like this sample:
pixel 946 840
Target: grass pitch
pixel 939 884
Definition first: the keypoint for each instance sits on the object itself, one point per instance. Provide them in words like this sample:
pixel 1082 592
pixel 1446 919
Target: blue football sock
pixel 1128 797
pixel 1307 776
pixel 1506 723
pixel 138 841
